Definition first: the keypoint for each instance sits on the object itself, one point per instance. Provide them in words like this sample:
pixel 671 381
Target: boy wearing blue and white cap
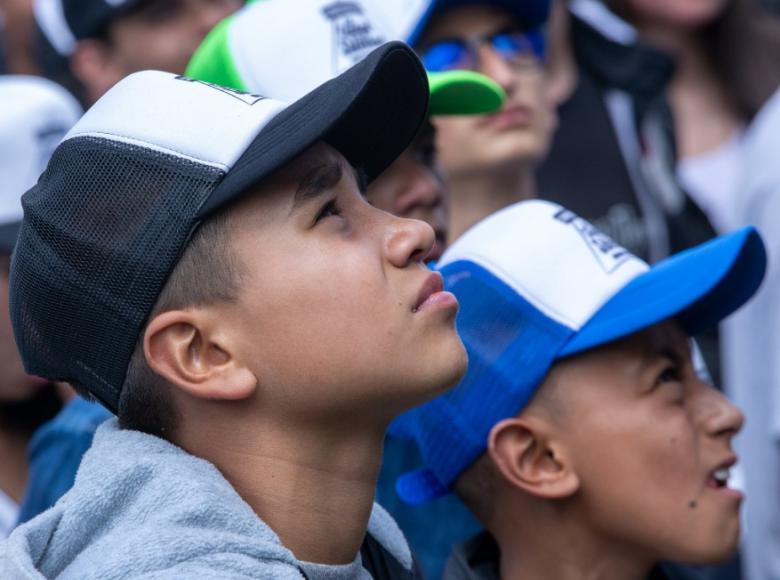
pixel 582 436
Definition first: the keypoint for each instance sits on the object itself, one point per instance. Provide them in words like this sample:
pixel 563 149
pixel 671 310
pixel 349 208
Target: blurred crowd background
pixel 657 120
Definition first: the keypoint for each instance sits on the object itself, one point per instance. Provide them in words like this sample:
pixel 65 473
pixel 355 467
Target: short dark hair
pixel 207 272
pixel 476 487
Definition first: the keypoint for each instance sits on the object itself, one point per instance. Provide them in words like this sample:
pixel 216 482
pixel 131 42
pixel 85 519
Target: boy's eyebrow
pixel 665 351
pixel 317 181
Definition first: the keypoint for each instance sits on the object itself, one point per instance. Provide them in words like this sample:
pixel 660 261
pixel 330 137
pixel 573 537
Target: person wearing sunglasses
pixel 490 160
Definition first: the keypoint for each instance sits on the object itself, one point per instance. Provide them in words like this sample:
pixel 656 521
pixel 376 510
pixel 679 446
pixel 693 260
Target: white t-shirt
pixel 712 180
pixel 751 347
pixel 9 512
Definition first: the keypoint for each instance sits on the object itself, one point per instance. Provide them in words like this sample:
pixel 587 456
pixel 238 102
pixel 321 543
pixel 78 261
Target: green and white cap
pixel 284 49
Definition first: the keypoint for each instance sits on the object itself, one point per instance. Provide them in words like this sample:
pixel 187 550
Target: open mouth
pixel 719 479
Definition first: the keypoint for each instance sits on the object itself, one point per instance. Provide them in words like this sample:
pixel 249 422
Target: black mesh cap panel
pixel 102 231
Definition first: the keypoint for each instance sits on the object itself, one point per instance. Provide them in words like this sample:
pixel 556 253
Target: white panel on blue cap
pixel 179 116
pixel 557 261
pixel 285 51
pixel 35 116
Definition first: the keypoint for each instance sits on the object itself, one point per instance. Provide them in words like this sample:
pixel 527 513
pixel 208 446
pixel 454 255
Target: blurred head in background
pixel 490 160
pixel 105 41
pixel 35 115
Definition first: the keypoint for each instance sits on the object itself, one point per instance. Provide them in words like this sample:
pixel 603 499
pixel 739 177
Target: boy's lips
pixel 512 116
pixel 432 295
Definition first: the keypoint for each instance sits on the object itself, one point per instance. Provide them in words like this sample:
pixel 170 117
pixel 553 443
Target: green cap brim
pixel 463 92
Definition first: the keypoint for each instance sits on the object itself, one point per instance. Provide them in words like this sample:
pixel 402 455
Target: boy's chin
pixel 718 551
pixel 443 376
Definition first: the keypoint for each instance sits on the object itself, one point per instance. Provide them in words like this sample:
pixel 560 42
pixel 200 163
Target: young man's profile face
pixel 647 437
pixel 413 187
pixel 337 314
pixel 520 131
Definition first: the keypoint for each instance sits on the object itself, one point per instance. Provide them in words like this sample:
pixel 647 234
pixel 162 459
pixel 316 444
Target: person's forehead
pixel 317 155
pixel 279 188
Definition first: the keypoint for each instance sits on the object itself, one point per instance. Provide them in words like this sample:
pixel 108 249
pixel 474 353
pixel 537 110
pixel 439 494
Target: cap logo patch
pixel 609 255
pixel 354 36
pixel 248 98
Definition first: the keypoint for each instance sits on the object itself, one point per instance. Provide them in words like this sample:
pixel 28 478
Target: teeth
pixel 721 475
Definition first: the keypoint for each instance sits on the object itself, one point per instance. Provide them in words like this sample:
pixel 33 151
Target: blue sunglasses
pixel 463 54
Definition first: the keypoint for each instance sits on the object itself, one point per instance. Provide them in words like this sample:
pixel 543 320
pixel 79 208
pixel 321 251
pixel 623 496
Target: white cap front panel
pixel 176 115
pixel 401 16
pixel 285 51
pixel 34 117
pixel 557 261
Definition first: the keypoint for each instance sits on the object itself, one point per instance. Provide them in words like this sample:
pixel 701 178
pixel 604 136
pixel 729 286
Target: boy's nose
pixel 423 189
pixel 497 68
pixel 408 241
pixel 719 415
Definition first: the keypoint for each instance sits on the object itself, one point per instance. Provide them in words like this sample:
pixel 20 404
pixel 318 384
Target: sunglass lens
pixel 445 56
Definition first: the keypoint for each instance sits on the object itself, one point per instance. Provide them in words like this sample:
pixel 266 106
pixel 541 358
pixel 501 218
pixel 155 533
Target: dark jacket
pixel 478 559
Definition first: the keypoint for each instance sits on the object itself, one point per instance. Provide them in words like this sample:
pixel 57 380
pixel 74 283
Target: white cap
pixel 35 115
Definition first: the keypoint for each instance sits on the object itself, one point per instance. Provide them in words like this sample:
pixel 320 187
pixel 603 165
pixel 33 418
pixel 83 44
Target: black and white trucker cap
pixel 157 154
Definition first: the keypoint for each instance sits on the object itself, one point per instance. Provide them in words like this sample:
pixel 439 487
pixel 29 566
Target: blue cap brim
pixel 529 13
pixel 698 287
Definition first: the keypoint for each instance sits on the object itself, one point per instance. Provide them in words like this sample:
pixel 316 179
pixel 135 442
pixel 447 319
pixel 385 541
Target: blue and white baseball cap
pixel 537 283
pixel 529 13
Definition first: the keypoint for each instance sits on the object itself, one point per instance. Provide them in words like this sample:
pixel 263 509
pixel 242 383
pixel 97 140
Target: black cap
pixel 110 216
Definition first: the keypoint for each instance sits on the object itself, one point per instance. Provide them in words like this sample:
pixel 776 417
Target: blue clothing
pixel 55 454
pixel 432 529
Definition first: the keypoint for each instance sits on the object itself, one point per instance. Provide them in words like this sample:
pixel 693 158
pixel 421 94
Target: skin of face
pixel 520 131
pixel 689 14
pixel 159 35
pixel 337 315
pixel 15 384
pixel 645 435
pixel 414 187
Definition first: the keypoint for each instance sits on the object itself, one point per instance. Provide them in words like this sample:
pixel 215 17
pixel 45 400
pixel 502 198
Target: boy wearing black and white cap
pixel 102 41
pixel 205 264
pixel 582 436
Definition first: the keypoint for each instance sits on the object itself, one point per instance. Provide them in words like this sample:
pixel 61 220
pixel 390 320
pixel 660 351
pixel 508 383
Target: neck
pixel 705 113
pixel 475 196
pixel 314 490
pixel 13 455
pixel 556 547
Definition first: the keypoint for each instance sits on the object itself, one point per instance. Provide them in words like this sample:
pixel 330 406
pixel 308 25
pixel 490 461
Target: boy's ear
pixel 188 349
pixel 529 458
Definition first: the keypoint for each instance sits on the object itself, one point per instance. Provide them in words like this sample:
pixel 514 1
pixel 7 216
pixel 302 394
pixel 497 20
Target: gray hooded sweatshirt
pixel 143 508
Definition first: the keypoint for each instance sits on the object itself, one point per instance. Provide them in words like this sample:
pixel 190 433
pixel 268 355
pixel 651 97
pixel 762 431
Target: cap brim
pixel 463 92
pixel 370 114
pixel 698 287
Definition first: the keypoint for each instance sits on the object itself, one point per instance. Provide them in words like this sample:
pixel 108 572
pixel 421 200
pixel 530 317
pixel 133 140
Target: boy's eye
pixel 330 209
pixel 671 374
